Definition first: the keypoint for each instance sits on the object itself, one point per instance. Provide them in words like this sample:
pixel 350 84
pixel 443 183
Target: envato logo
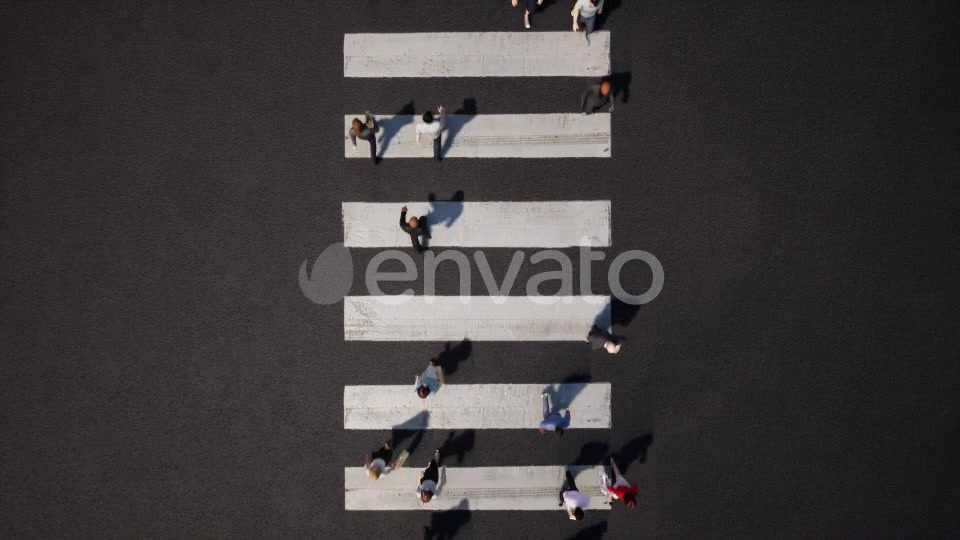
pixel 332 276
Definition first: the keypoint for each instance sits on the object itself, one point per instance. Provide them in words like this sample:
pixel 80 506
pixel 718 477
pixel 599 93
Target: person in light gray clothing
pixel 585 13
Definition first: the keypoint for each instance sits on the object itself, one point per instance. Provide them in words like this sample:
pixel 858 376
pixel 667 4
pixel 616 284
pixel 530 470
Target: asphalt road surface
pixel 166 169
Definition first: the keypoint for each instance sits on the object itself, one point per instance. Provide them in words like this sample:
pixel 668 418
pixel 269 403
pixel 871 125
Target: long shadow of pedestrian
pixel 592 532
pixel 615 313
pixel 444 525
pixel 593 453
pixel 635 450
pixel 609 6
pixel 568 389
pixel 445 212
pixel 458 445
pixel 391 126
pixel 461 117
pixel 415 426
pixel 620 85
pixel 449 359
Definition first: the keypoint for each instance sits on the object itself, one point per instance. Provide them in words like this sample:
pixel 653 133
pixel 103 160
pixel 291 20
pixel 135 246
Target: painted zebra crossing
pixel 533 224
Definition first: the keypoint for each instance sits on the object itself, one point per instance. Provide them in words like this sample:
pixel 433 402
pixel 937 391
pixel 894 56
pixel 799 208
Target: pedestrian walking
pixel 585 13
pixel 428 484
pixel 366 131
pixel 595 97
pixel 555 421
pixel 529 6
pixel 571 499
pixel 432 127
pixel 617 488
pixel 415 227
pixel 601 339
pixel 381 461
pixel 430 381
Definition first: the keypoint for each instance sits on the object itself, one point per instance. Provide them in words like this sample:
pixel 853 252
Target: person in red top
pixel 619 488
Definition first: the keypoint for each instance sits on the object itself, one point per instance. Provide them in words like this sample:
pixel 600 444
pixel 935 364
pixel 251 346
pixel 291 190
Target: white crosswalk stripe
pixel 557 224
pixel 473 406
pixel 477 54
pixel 561 135
pixel 471 488
pixel 477 318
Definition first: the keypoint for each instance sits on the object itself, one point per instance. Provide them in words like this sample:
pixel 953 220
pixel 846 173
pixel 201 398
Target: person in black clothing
pixel 595 97
pixel 429 482
pixel 416 228
pixel 367 132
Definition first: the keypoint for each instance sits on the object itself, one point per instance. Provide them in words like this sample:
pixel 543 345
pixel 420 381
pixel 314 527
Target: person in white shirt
pixel 572 500
pixel 585 12
pixel 429 483
pixel 432 127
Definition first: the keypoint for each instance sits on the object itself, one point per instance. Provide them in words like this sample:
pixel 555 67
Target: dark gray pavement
pixel 166 168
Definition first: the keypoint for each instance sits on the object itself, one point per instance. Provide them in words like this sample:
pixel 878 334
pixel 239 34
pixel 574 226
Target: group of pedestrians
pixel 430 382
pixel 584 13
pixel 555 419
pixel 431 125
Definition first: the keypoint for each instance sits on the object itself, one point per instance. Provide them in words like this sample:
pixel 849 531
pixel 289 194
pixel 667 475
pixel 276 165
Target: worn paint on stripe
pixel 477 54
pixel 560 135
pixel 471 488
pixel 473 406
pixel 556 224
pixel 479 318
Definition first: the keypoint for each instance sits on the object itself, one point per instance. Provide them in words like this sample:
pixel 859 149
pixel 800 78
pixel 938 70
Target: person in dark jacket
pixel 416 228
pixel 595 97
pixel 367 132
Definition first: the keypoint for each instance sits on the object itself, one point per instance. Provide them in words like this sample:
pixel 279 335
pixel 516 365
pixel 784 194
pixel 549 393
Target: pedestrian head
pixel 578 514
pixel 612 347
pixel 357 125
pixel 428 117
pixel 373 473
pixel 630 500
pixel 426 495
pixel 423 391
pixel 413 222
pixel 605 87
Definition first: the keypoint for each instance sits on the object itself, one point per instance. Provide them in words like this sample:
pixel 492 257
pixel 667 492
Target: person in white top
pixel 585 12
pixel 432 127
pixel 572 500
